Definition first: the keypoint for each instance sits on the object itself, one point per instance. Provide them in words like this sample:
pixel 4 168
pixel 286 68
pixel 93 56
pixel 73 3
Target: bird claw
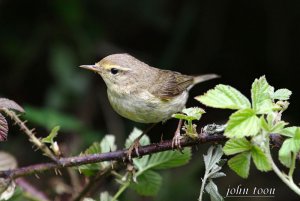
pixel 177 137
pixel 176 141
pixel 135 146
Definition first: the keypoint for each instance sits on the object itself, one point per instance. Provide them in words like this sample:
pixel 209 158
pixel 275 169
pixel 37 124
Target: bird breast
pixel 144 107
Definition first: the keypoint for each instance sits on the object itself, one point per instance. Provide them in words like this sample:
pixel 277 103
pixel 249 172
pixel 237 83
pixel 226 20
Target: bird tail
pixel 203 78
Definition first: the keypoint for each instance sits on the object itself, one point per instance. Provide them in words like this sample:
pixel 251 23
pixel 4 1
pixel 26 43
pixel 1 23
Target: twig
pixel 105 172
pixel 30 133
pixel 120 155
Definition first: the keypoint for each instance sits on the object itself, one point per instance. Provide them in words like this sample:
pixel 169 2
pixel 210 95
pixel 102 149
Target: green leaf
pixel 285 152
pixel 180 116
pixel 241 164
pixel 49 118
pixel 148 183
pixel 260 159
pixel 261 96
pixel 264 124
pixel 289 131
pixel 169 159
pixel 51 136
pixel 290 146
pixel 213 156
pixel 108 144
pixel 93 168
pixel 190 114
pixel 224 97
pixel 277 128
pixel 135 133
pixel 194 113
pixel 282 94
pixel 242 123
pixel 212 189
pixel 236 145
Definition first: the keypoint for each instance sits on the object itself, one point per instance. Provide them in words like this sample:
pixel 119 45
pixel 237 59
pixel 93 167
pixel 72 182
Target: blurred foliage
pixel 43 42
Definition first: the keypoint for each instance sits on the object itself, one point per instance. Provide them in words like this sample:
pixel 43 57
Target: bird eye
pixel 114 71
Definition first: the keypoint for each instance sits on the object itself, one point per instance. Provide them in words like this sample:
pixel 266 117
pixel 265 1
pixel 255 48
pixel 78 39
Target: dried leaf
pixel 9 104
pixel 7 186
pixel 3 128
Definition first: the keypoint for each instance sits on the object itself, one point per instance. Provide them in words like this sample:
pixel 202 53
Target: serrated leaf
pixel 52 135
pixel 261 96
pixel 212 157
pixel 289 131
pixel 180 116
pixel 105 196
pixel 217 175
pixel 135 133
pixel 169 159
pixel 212 189
pixel 264 124
pixel 148 183
pixel 260 159
pixel 194 113
pixel 241 164
pixel 236 145
pixel 93 168
pixel 282 94
pixel 108 144
pixel 285 152
pixel 224 97
pixel 278 127
pixel 242 123
pixel 290 146
pixel 3 128
pixel 9 104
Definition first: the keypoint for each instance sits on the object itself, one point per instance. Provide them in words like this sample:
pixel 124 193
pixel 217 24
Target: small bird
pixel 143 93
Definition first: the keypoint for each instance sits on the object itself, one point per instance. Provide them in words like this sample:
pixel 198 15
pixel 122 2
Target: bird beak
pixel 90 67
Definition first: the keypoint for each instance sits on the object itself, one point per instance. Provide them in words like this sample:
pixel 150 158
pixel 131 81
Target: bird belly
pixel 146 108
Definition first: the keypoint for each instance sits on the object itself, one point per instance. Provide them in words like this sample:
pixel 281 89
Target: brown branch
pixel 120 155
pixel 30 133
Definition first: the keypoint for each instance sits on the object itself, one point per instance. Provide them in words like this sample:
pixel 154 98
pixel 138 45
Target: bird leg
pixel 177 137
pixel 136 143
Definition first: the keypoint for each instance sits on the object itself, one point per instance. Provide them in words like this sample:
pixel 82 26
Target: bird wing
pixel 168 84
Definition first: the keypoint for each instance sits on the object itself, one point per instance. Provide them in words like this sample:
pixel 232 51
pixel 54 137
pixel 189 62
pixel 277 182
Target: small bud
pixel 55 149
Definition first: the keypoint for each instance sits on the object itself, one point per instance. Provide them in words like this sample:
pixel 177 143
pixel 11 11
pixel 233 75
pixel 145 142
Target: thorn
pixel 37 176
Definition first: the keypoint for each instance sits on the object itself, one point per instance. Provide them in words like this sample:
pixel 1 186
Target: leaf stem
pixel 121 190
pixel 292 168
pixel 202 186
pixel 288 180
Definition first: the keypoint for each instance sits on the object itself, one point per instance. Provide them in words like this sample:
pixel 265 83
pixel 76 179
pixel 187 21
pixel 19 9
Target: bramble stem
pixel 120 155
pixel 32 138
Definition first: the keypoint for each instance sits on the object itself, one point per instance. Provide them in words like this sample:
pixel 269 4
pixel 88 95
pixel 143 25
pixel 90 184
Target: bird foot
pixel 134 147
pixel 177 137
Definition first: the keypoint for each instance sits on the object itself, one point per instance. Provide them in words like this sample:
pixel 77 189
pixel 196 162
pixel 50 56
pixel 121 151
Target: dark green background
pixel 42 43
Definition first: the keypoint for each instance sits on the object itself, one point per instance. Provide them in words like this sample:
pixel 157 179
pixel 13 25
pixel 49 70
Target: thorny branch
pixel 120 155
